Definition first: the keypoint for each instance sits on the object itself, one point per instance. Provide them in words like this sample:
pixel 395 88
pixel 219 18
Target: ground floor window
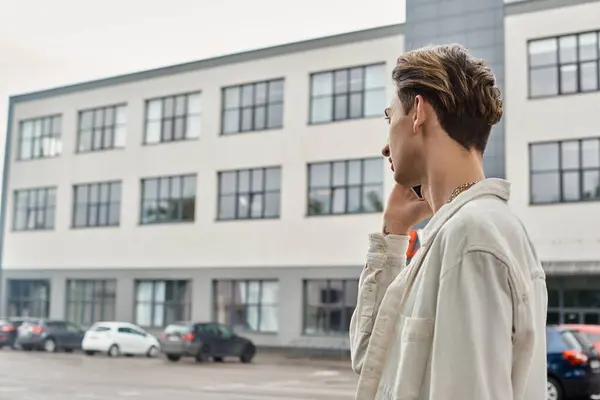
pixel 249 305
pixel 90 301
pixel 28 298
pixel 328 305
pixel 573 300
pixel 161 302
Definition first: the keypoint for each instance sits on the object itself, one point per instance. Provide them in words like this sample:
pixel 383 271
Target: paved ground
pixel 42 376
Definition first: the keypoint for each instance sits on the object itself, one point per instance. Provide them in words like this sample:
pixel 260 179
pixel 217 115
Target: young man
pixel 466 319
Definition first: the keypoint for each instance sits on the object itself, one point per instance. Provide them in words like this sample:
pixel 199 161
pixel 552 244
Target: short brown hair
pixel 461 89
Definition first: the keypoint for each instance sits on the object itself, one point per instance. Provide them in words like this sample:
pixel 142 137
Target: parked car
pixel 591 332
pixel 573 365
pixel 49 335
pixel 116 338
pixel 8 330
pixel 203 341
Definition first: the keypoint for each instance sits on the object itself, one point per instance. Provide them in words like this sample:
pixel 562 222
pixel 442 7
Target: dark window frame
pixel 250 193
pixel 558 64
pixel 252 107
pixel 572 304
pixel 580 170
pixel 103 302
pixel 172 119
pixel 181 199
pixel 345 315
pixel 46 121
pixel 231 318
pixel 21 300
pixel 349 92
pixel 345 187
pixel 47 209
pixel 97 204
pixel 153 303
pixel 104 129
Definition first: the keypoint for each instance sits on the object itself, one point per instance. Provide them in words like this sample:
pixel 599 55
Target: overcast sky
pixel 46 43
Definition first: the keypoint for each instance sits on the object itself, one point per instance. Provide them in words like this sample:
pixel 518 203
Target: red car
pixel 591 332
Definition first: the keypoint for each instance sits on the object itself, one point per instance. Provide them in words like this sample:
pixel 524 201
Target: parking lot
pixel 61 376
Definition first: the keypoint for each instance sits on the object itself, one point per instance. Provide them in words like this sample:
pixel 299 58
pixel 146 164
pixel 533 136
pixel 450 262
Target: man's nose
pixel 386 150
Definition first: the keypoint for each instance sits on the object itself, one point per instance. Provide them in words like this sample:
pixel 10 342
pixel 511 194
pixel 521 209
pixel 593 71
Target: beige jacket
pixel 465 320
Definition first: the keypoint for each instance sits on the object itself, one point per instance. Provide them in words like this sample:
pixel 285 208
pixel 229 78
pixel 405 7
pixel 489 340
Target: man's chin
pixel 399 177
pixel 405 179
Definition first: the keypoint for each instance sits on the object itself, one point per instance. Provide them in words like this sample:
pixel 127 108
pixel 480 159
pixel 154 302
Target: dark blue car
pixel 573 365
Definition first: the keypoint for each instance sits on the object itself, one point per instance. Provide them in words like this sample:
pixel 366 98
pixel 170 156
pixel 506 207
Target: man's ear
pixel 420 114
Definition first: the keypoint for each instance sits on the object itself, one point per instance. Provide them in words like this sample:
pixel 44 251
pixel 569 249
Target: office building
pixel 241 188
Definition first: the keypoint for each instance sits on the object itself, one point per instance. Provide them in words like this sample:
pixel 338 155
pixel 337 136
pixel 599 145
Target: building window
pixel 168 199
pixel 28 298
pixel 96 204
pixel 565 171
pixel 34 209
pixel 328 305
pixel 345 187
pixel 173 118
pixel 159 303
pixel 564 65
pixel 252 107
pixel 101 128
pixel 249 193
pixel 39 138
pixel 574 300
pixel 248 305
pixel 348 93
pixel 90 301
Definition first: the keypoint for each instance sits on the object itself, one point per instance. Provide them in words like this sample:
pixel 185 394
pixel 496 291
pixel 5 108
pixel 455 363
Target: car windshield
pixel 100 328
pixel 558 341
pixel 19 322
pixel 225 332
pixel 583 339
pixel 178 328
pixel 572 340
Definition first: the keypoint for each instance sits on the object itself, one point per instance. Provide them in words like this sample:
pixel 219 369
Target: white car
pixel 116 338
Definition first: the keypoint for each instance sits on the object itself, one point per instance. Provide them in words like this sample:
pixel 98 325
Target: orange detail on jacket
pixel 413 245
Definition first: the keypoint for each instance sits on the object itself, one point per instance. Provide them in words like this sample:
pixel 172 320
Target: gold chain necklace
pixel 461 189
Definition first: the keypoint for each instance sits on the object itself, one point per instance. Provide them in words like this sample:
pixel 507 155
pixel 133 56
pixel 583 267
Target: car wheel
pixel 90 353
pixel 152 352
pixel 173 357
pixel 554 390
pixel 218 359
pixel 248 354
pixel 50 345
pixel 114 351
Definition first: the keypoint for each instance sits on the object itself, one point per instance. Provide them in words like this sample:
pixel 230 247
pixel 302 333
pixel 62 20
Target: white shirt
pixel 465 320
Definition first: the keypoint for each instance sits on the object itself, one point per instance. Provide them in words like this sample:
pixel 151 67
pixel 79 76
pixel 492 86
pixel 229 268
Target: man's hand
pixel 403 210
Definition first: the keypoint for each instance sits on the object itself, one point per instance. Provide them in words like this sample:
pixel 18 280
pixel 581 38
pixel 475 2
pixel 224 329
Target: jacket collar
pixel 487 187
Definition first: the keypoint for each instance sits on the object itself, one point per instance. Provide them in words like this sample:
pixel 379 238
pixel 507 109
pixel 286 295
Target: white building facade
pixel 241 189
pixel 553 146
pixel 218 190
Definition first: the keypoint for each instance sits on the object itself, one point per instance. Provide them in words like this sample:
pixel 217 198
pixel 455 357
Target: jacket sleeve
pixel 471 355
pixel 385 259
